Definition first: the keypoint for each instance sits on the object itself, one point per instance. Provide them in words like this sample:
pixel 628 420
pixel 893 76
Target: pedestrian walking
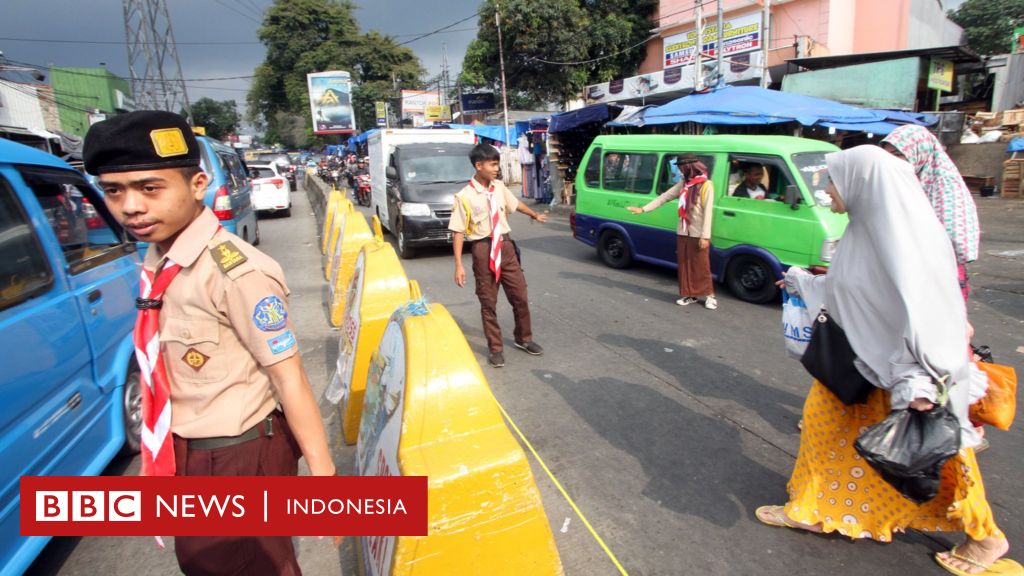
pixel 480 221
pixel 225 392
pixel 946 191
pixel 891 288
pixel 696 197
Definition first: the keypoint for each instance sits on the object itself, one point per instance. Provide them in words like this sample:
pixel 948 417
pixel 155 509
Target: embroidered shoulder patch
pixel 270 314
pixel 282 343
pixel 227 256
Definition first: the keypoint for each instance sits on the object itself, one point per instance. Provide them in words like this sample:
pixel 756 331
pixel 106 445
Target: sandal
pixel 1001 567
pixel 776 516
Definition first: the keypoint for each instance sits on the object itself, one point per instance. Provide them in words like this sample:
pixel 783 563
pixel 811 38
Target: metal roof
pixel 955 54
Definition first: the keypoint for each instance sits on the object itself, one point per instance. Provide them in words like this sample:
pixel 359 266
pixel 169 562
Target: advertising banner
pixel 940 75
pixel 437 113
pixel 741 34
pixel 330 102
pixel 381 110
pixel 414 105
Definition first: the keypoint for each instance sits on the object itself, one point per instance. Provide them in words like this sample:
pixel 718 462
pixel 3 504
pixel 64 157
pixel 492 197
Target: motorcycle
pixel 363 189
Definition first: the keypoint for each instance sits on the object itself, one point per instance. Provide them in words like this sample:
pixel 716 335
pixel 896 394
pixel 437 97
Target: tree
pixel 220 118
pixel 989 24
pixel 541 36
pixel 304 36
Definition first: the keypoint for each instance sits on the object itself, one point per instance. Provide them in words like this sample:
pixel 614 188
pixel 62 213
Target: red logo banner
pixel 224 506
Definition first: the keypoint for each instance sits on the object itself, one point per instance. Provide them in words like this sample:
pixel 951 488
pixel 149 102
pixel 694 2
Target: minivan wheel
pixel 751 279
pixel 404 250
pixel 613 250
pixel 256 240
pixel 131 405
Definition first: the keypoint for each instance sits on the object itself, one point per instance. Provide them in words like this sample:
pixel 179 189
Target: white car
pixel 270 192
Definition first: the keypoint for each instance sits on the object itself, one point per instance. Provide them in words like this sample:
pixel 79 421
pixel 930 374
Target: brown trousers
pixel 694 268
pixel 276 455
pixel 514 282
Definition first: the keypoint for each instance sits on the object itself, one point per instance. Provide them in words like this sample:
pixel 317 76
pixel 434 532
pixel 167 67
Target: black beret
pixel 141 140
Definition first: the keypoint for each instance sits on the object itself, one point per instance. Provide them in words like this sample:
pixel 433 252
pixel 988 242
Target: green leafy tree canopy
pixel 218 117
pixel 540 36
pixel 989 24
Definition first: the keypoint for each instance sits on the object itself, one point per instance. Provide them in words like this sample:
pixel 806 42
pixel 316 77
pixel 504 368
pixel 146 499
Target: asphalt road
pixel 667 426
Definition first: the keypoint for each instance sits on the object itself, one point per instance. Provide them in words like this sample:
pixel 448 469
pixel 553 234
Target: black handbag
pixel 909 448
pixel 829 358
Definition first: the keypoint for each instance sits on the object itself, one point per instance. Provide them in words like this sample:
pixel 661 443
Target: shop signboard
pixel 478 102
pixel 740 35
pixel 940 75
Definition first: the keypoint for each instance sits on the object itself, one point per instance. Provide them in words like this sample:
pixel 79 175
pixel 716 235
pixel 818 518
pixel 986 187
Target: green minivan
pixel 753 240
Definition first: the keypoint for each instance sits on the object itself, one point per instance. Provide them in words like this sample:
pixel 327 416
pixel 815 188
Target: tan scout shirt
pixel 224 320
pixel 700 212
pixel 471 214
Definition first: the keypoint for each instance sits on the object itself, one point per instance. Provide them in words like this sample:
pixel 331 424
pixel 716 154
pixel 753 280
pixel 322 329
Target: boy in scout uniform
pixel 480 220
pixel 216 348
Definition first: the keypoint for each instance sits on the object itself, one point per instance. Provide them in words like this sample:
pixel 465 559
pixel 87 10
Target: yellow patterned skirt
pixel 833 485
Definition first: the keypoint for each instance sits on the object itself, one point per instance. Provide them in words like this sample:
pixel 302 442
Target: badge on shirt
pixel 195 359
pixel 270 314
pixel 282 343
pixel 227 256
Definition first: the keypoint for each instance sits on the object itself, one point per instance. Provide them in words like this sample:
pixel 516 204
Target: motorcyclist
pixel 359 170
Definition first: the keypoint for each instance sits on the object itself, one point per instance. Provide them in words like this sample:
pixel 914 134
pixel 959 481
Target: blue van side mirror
pixel 793 197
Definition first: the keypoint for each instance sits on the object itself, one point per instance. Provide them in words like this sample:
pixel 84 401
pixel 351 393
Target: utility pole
pixel 153 63
pixel 698 64
pixel 720 47
pixel 444 73
pixel 765 36
pixel 501 58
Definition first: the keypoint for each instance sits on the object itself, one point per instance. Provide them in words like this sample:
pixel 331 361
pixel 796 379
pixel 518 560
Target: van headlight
pixel 828 249
pixel 414 209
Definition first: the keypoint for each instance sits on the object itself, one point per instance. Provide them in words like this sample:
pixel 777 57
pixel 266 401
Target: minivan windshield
pixel 814 171
pixel 436 169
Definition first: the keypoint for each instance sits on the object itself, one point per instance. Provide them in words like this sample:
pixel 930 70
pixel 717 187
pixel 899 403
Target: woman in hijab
pixel 890 288
pixel 945 189
pixel 696 196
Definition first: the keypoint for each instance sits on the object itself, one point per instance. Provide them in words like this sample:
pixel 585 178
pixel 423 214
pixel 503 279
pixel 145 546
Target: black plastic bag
pixel 909 447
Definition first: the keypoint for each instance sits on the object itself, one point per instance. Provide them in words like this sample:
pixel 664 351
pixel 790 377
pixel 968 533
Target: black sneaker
pixel 531 348
pixel 496 359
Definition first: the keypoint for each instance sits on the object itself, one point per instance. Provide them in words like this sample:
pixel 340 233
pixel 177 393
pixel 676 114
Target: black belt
pixel 504 238
pixel 264 427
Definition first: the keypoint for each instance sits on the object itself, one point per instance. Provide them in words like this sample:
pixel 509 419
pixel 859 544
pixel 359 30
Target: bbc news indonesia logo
pixel 224 506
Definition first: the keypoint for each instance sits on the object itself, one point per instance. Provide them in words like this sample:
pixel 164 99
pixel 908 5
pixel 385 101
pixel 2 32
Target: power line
pixel 76 73
pixel 237 11
pixel 641 43
pixel 439 30
pixel 121 42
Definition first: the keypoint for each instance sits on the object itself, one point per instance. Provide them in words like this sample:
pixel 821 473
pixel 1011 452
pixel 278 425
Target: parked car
pixel 229 193
pixel 69 388
pixel 753 241
pixel 284 164
pixel 269 189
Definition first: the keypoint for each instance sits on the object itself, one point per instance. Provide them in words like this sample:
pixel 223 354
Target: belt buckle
pixel 268 426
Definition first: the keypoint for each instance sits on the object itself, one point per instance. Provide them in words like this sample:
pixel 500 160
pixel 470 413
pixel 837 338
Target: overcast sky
pixel 64 24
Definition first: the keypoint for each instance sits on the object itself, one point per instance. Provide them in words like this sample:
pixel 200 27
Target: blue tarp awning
pixel 565 121
pixel 488 130
pixel 1016 145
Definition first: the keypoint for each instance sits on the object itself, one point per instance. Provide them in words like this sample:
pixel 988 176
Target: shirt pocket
pixel 479 218
pixel 192 352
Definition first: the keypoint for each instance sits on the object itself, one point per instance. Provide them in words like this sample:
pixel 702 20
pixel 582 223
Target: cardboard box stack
pixel 1012 170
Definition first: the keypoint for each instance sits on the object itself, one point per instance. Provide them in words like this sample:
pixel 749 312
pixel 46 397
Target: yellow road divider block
pixel 428 411
pixel 332 206
pixel 377 288
pixel 343 207
pixel 353 233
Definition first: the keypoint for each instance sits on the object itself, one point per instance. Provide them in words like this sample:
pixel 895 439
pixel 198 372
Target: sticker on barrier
pixel 353 234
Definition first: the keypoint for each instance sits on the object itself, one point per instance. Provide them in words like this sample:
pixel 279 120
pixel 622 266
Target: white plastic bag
pixel 796 324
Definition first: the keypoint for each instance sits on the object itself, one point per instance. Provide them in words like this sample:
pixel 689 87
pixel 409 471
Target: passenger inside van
pixel 752 185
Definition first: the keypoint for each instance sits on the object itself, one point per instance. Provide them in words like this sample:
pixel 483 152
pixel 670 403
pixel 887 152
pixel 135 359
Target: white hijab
pixel 893 286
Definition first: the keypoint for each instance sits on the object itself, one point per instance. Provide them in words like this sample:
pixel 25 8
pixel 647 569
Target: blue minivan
pixel 69 388
pixel 229 192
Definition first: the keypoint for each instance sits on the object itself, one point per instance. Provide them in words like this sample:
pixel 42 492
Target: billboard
pixel 330 102
pixel 437 113
pixel 740 35
pixel 479 102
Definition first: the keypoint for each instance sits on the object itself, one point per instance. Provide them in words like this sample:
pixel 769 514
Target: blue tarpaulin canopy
pixel 1016 145
pixel 598 113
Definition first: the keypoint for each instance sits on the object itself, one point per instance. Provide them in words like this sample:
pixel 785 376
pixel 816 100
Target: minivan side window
pixel 234 166
pixel 592 175
pixel 629 171
pixel 670 174
pixel 24 270
pixel 775 177
pixel 78 215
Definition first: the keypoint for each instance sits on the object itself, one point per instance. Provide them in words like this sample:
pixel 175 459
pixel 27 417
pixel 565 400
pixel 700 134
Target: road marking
pixel 1008 253
pixel 561 489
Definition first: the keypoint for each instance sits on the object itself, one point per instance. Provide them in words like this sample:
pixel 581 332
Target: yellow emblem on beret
pixel 168 142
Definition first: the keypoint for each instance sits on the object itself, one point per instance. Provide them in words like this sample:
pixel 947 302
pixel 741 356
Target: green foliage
pixel 989 24
pixel 220 118
pixel 304 36
pixel 538 33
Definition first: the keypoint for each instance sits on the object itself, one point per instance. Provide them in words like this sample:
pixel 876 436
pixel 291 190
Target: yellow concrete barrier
pixel 333 198
pixel 428 411
pixel 377 288
pixel 342 208
pixel 353 233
